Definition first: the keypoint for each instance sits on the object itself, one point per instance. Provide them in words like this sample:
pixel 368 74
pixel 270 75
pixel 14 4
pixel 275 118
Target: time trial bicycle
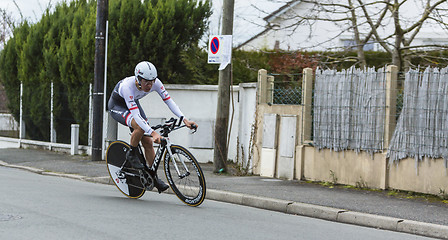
pixel 182 170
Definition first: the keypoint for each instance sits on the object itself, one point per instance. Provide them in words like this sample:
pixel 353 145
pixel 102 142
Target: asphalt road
pixel 34 206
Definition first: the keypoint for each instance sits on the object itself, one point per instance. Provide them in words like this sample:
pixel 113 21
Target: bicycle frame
pixel 165 146
pixel 158 158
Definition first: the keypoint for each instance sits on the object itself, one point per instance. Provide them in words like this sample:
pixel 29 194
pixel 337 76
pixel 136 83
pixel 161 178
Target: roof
pixel 270 18
pixel 281 10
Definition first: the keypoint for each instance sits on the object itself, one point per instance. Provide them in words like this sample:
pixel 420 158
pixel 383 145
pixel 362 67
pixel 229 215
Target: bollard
pixel 75 139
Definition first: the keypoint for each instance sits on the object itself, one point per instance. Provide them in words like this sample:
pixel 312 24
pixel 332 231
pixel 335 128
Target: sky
pixel 248 14
pixel 31 9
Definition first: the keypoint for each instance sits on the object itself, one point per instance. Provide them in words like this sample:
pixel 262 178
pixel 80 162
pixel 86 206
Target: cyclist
pixel 125 108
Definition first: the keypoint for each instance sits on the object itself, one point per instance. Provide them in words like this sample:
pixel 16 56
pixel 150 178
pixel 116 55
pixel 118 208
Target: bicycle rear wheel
pixel 189 183
pixel 128 184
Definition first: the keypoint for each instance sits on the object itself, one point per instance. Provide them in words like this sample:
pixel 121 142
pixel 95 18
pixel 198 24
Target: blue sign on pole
pixel 214 45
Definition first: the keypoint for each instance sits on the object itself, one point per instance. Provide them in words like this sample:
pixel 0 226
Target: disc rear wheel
pixel 127 180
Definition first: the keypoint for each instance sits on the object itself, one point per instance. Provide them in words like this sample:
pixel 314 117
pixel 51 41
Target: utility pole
pixel 98 82
pixel 222 112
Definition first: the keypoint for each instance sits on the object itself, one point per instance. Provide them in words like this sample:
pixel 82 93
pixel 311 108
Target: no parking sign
pixel 214 45
pixel 220 50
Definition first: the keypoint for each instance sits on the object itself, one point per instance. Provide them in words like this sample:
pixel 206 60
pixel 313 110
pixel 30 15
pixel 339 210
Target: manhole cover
pixel 8 217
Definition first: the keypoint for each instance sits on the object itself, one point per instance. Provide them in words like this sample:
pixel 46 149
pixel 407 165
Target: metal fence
pixel 287 89
pixel 45 129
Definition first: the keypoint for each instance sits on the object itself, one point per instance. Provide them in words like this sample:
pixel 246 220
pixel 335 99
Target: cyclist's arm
pixel 167 99
pixel 141 113
pixel 172 105
pixel 135 111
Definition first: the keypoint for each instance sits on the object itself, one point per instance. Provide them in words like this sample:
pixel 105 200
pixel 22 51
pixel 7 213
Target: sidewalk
pixel 361 207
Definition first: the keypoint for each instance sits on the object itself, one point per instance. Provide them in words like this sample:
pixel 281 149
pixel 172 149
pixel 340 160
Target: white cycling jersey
pixel 130 93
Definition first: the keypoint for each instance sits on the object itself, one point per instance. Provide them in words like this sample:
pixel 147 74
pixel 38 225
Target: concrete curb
pixel 102 180
pixel 331 214
pixel 315 211
pixel 421 228
pixel 31 169
pixel 369 220
pixel 291 207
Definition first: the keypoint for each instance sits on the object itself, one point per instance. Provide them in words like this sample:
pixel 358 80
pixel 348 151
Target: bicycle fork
pixel 173 159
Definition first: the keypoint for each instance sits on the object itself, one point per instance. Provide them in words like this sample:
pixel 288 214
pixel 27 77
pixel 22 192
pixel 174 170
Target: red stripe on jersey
pixel 133 108
pixel 166 98
pixel 126 118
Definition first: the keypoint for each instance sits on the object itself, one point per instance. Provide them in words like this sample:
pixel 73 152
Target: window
pixel 350 44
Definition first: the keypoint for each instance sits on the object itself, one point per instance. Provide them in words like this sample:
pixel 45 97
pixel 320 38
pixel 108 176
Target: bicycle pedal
pixel 163 189
pixel 121 175
pixel 150 187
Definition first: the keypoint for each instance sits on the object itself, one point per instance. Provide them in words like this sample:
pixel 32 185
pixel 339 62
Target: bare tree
pixel 399 43
pixel 8 22
pixel 386 22
pixel 348 15
pixel 6 26
pixel 345 15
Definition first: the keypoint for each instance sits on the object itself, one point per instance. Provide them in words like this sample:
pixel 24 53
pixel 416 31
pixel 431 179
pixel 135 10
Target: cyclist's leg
pixel 137 134
pixel 132 156
pixel 149 149
pixel 147 141
pixel 119 111
pixel 148 145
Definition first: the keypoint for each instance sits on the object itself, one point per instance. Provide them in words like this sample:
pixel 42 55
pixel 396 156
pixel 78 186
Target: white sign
pixel 220 50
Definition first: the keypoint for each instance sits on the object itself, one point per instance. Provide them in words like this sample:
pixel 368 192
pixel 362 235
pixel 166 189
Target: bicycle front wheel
pixel 184 176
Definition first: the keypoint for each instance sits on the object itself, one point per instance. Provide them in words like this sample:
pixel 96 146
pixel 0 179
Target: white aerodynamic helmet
pixel 145 70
